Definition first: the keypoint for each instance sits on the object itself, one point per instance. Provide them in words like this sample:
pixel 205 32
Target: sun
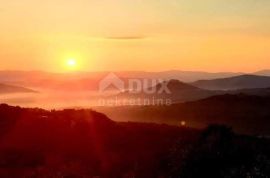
pixel 71 63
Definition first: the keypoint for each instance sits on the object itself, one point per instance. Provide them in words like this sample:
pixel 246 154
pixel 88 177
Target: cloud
pixel 126 37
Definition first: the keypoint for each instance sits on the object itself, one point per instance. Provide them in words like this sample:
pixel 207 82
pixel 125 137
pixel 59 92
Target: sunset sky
pixel 151 35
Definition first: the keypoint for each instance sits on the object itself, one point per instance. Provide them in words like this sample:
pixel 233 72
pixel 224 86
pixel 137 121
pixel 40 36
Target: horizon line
pixel 143 71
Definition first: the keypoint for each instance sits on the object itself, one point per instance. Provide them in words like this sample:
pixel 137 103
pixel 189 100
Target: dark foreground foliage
pixel 36 143
pixel 220 153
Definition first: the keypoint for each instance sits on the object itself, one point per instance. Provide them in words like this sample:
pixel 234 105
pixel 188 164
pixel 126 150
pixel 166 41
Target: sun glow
pixel 71 63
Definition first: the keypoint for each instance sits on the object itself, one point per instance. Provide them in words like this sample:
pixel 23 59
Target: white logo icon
pixel 111 80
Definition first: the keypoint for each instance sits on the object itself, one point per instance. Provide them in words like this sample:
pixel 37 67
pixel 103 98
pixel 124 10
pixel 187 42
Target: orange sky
pixel 152 35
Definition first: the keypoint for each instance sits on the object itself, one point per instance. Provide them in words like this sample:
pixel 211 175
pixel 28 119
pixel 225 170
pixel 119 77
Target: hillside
pixel 242 112
pixel 252 92
pixel 173 90
pixel 234 83
pixel 82 142
pixel 85 143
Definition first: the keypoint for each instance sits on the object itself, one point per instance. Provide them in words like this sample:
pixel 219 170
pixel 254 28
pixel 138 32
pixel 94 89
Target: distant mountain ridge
pixel 234 83
pixel 174 90
pixel 4 89
pixel 263 72
pixel 56 80
pixel 252 92
pixel 176 85
pixel 89 81
pixel 180 92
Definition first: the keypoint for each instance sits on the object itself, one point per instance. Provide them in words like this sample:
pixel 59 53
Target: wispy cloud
pixel 126 37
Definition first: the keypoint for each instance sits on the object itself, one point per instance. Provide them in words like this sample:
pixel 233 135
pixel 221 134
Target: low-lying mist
pixel 49 99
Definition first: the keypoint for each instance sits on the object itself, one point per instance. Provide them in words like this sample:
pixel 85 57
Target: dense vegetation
pixel 85 143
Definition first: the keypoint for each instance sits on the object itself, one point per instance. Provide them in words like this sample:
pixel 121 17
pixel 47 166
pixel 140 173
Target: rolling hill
pixel 173 90
pixel 245 113
pixel 263 72
pixel 83 143
pixel 252 92
pixel 234 83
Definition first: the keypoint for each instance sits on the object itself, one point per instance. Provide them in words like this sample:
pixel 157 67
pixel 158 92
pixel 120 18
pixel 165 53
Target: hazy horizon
pixel 147 71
